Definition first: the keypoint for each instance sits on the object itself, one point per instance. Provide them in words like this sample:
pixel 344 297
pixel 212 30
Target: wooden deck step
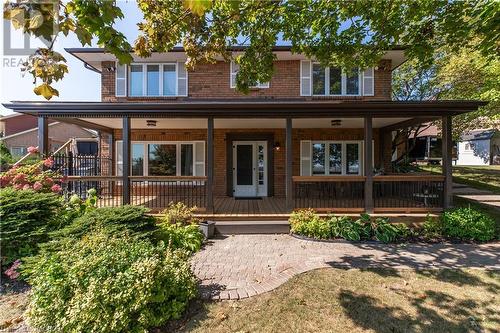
pixel 252 227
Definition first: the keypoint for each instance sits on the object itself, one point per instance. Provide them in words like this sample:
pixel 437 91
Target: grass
pixel 379 300
pixel 480 177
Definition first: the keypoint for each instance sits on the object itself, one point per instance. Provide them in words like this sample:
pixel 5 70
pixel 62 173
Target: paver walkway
pixel 241 266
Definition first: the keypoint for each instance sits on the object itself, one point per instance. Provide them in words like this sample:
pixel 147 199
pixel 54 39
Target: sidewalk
pixel 480 196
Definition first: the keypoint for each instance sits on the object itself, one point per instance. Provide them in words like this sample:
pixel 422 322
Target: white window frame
pixel 121 79
pixel 232 74
pixel 145 76
pixel 343 82
pixel 344 156
pixel 178 162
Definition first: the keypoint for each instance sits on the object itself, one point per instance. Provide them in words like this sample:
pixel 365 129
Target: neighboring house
pixel 479 147
pixel 20 131
pixel 428 146
pixel 311 137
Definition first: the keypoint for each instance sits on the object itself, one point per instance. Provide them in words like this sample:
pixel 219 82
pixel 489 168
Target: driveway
pixel 242 266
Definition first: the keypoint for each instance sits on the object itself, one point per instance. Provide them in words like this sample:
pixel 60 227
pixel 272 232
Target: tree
pixel 460 75
pixel 342 33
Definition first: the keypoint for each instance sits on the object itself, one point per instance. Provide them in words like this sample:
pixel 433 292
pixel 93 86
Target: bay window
pixel 164 158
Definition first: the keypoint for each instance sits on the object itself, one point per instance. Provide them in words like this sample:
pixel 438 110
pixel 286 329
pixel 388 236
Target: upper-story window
pixel 151 80
pixel 234 71
pixel 333 81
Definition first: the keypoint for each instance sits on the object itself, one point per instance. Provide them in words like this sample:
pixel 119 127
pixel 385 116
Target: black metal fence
pixel 328 194
pixel 416 193
pixel 82 165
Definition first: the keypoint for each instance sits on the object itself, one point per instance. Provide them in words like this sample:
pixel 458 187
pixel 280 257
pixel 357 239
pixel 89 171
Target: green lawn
pixel 380 300
pixel 480 177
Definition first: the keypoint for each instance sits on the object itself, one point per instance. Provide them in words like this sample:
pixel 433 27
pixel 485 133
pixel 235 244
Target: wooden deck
pixel 263 208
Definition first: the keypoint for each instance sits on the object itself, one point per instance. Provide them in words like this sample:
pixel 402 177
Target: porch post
pixel 210 165
pixel 111 150
pixel 43 136
pixel 126 160
pixel 289 161
pixel 447 147
pixel 367 163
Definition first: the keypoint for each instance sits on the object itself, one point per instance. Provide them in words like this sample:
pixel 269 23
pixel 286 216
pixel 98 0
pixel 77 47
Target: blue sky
pixel 79 84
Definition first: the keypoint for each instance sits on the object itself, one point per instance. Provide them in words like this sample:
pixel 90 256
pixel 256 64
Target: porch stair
pixel 252 227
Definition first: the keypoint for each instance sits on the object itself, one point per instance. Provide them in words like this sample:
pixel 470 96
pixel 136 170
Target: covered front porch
pixel 330 156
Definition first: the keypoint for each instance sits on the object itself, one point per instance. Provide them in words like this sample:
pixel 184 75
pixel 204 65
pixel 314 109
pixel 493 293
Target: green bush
pixel 432 228
pixel 179 213
pixel 179 236
pixel 307 223
pixel 114 220
pixel 345 227
pixel 26 219
pixel 468 224
pixel 108 283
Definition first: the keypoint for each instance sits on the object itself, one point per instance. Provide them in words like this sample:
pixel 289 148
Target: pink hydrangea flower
pixel 37 186
pixel 19 178
pixel 48 162
pixel 32 150
pixel 56 188
pixel 18 186
pixel 49 181
pixel 26 187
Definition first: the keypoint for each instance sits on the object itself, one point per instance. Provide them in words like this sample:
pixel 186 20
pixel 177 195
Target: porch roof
pixel 246 108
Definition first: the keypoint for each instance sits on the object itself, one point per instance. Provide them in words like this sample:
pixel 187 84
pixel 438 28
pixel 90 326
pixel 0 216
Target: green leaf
pixel 198 7
pixel 46 91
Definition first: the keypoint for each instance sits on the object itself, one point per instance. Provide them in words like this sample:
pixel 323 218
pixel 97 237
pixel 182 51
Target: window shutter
pixel 182 78
pixel 305 78
pixel 234 68
pixel 121 80
pixel 305 158
pixel 368 82
pixel 199 158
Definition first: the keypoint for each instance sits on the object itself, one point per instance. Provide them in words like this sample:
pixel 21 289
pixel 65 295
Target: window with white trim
pixel 152 79
pixel 317 80
pixel 234 68
pixel 164 158
pixel 324 158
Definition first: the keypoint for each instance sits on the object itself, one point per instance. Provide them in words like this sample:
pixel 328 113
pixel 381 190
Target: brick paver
pixel 242 266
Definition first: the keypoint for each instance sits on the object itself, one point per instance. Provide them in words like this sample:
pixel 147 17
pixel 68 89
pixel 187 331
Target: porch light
pixel 336 122
pixel 277 146
pixel 111 68
pixel 151 123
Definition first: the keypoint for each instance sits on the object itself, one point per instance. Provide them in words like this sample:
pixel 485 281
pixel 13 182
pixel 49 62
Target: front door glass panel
pixel 244 169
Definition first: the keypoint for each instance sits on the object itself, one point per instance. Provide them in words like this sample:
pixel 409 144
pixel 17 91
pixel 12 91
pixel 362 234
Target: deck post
pixel 111 155
pixel 289 168
pixel 210 165
pixel 367 163
pixel 447 147
pixel 126 160
pixel 43 136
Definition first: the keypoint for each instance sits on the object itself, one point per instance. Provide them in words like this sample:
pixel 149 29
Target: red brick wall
pixel 20 123
pixel 212 81
pixel 220 154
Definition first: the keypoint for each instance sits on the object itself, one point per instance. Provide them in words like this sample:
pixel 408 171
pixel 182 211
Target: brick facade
pixel 220 152
pixel 212 81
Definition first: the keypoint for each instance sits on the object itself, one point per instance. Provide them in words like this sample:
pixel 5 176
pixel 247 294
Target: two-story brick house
pixel 311 137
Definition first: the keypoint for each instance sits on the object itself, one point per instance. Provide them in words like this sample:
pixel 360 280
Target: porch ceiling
pixel 201 123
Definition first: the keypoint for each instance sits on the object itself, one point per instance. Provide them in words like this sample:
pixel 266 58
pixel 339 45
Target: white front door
pixel 250 168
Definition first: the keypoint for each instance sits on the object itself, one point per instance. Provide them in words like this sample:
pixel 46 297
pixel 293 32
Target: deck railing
pixel 408 192
pixel 330 193
pixel 152 192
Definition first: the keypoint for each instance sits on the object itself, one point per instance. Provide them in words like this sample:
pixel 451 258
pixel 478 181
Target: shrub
pixel 306 222
pixel 26 218
pixel 345 227
pixel 108 283
pixel 179 213
pixel 468 224
pixel 432 228
pixel 179 236
pixel 114 220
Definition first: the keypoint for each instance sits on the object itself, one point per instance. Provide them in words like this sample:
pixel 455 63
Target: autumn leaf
pixel 36 21
pixel 46 91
